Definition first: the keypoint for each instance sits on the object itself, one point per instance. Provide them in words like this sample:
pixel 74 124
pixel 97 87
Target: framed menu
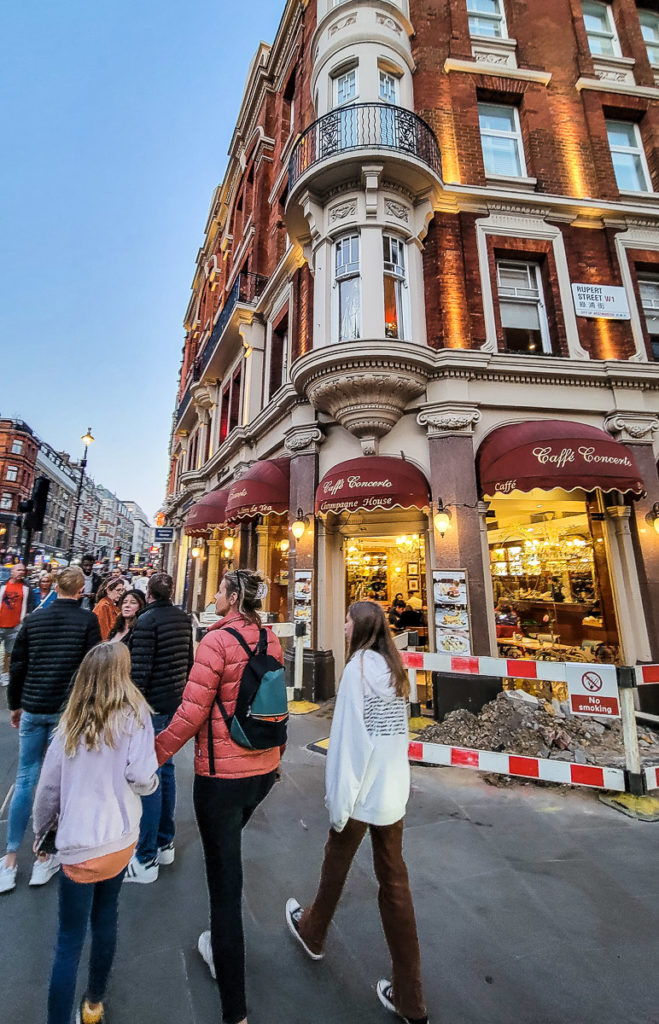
pixel 451 611
pixel 302 600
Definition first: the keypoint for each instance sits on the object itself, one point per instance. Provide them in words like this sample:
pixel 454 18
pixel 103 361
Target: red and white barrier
pixel 548 671
pixel 646 674
pixel 652 777
pixel 524 767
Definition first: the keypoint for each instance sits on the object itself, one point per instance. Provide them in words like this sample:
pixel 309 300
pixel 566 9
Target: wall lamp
pixel 653 516
pixel 228 542
pixel 442 519
pixel 300 525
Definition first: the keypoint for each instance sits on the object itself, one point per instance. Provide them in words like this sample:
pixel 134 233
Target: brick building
pixel 18 454
pixel 424 326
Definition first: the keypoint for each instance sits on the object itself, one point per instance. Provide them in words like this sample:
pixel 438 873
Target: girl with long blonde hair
pixel 100 762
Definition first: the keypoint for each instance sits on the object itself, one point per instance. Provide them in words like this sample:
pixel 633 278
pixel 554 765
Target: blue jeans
pixel 34 735
pixel 157 826
pixel 78 903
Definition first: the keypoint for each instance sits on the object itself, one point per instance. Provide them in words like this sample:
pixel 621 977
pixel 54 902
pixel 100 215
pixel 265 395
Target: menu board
pixel 302 600
pixel 451 610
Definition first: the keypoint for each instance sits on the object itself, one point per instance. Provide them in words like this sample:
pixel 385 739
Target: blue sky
pixel 116 119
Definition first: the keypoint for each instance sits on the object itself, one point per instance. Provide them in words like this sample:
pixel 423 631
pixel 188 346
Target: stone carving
pixel 300 439
pixel 370 445
pixel 387 22
pixel 343 210
pixel 611 76
pixel 634 426
pixel 484 57
pixel 443 422
pixel 344 23
pixel 395 209
pixel 367 402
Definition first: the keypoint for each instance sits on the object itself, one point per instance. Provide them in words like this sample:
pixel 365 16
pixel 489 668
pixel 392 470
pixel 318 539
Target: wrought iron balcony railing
pixel 365 126
pixel 246 289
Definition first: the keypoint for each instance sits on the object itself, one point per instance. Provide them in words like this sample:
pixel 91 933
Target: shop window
pixel 600 29
pixel 17 447
pixel 522 308
pixel 486 18
pixel 650 29
pixel 278 357
pixel 649 289
pixel 6 501
pixel 551 580
pixel 501 140
pixel 628 156
pixel 12 473
pixel 348 286
pixel 395 284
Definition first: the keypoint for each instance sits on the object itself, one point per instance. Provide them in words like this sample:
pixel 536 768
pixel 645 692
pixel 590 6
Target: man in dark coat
pixel 46 655
pixel 162 655
pixel 91 584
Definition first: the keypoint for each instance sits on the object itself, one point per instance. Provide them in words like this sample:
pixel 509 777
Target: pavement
pixel 535 905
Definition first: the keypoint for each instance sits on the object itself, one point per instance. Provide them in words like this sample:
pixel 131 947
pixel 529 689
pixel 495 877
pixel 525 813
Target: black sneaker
pixel 293 914
pixel 385 993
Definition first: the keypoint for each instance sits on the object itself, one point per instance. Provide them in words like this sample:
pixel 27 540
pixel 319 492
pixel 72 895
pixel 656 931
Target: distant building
pixel 18 453
pixel 55 537
pixel 115 527
pixel 142 533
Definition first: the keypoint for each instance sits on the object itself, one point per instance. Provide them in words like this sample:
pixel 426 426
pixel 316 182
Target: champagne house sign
pixel 600 301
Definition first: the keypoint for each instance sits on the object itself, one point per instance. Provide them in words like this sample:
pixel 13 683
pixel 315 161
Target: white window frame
pixel 337 279
pixel 639 150
pixel 6 500
pixel 515 133
pixel 498 19
pixel 337 77
pixel 538 303
pixel 612 32
pixel 12 474
pixel 398 272
pixel 650 19
pixel 16 447
pixel 649 307
pixel 388 78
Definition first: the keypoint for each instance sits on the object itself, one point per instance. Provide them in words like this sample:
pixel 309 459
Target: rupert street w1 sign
pixel 593 690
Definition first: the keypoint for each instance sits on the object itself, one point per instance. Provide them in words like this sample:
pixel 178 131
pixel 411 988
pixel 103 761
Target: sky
pixel 117 117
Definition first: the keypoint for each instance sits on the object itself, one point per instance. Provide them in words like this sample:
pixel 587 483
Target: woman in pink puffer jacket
pixel 231 783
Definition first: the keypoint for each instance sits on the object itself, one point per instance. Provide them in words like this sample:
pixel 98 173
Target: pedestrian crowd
pixel 105 687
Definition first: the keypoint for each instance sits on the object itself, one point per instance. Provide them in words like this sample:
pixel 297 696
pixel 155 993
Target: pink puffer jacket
pixel 219 661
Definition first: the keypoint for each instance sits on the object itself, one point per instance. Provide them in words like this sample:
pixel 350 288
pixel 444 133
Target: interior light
pixel 284 545
pixel 228 542
pixel 195 552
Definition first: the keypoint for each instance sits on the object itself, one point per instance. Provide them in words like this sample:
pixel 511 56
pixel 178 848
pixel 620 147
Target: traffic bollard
pixel 636 783
pixel 300 633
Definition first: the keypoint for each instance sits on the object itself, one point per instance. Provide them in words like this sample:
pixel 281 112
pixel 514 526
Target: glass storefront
pixel 550 577
pixel 392 571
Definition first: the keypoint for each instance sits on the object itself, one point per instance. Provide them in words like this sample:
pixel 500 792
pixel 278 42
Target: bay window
pixel 347 283
pixel 394 287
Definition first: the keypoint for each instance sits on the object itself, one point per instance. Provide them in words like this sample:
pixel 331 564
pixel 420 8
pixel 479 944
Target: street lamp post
pixel 86 439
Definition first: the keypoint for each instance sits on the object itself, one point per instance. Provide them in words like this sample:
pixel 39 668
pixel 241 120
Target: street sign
pixel 601 301
pixel 593 690
pixel 164 535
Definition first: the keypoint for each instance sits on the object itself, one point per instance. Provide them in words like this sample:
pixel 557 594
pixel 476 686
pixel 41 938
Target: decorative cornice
pixel 303 440
pixel 501 70
pixel 633 427
pixel 448 418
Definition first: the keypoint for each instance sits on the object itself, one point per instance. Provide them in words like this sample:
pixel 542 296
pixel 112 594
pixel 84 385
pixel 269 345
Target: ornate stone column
pixel 453 481
pixel 213 568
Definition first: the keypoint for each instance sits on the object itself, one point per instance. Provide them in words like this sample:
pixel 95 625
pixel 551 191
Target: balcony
pixel 389 134
pixel 246 290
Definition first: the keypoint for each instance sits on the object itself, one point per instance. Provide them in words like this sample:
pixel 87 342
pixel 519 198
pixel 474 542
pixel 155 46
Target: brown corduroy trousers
pixel 394 901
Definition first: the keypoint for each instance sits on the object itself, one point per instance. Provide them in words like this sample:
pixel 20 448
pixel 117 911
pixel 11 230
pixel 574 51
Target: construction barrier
pixel 633 779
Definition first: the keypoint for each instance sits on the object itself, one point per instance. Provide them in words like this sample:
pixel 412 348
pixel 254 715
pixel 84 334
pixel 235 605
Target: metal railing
pixel 365 126
pixel 246 289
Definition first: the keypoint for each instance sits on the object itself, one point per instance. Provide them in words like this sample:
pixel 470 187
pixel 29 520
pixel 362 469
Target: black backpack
pixel 261 714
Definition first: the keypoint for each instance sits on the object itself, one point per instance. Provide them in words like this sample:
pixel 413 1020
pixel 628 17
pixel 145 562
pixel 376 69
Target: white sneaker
pixel 204 947
pixel 44 870
pixel 166 854
pixel 141 873
pixel 7 877
pixel 4 679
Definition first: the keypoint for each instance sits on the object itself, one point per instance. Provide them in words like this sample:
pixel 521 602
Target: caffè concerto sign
pixel 600 301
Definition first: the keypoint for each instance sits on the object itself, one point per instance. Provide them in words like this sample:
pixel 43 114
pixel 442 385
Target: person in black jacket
pixel 162 655
pixel 91 582
pixel 45 658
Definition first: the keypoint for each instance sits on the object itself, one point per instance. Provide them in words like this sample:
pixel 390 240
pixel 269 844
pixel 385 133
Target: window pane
pixel 485 27
pixel 393 327
pixel 621 133
pixel 349 309
pixel 388 87
pixel 501 156
pixel 629 172
pixel 595 17
pixel 498 119
pixel 522 340
pixel 520 314
pixel 347 256
pixel 649 294
pixel 512 276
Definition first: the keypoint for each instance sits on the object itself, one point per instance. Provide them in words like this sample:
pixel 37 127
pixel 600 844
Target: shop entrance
pixel 550 576
pixel 390 570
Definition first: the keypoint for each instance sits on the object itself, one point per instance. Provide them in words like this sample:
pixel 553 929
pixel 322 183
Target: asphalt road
pixel 534 906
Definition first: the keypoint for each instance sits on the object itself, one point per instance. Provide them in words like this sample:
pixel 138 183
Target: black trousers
pixel 223 807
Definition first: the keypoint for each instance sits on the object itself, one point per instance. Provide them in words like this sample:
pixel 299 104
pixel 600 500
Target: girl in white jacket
pixel 368 785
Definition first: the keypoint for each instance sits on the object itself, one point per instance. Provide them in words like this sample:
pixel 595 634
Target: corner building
pixel 424 328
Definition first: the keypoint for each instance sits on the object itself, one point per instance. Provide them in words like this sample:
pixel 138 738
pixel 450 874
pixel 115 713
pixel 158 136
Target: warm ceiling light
pixel 195 552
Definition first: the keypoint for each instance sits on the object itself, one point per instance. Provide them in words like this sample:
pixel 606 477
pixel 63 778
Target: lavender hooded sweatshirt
pixel 96 793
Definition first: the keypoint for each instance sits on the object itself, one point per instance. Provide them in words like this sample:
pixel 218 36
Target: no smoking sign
pixel 593 691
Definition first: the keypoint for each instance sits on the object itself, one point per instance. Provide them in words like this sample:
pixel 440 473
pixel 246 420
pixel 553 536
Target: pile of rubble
pixel 518 723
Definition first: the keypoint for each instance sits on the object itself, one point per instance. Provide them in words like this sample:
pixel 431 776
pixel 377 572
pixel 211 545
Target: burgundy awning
pixel 207 513
pixel 262 490
pixel 555 453
pixel 372 482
